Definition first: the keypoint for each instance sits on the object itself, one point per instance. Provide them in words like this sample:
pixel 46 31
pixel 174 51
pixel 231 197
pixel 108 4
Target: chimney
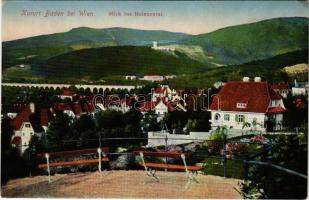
pixel 245 79
pixel 257 79
pixel 32 107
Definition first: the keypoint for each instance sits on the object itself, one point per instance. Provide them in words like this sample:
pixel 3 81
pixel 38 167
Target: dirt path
pixel 122 184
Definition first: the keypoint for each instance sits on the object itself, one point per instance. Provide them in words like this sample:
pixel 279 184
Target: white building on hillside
pixel 152 77
pixel 156 47
pixel 130 77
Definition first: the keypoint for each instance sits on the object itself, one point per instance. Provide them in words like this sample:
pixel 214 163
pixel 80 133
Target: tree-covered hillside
pixel 104 61
pixel 255 41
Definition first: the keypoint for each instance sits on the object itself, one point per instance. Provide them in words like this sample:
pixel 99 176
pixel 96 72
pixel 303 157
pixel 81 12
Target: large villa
pixel 251 102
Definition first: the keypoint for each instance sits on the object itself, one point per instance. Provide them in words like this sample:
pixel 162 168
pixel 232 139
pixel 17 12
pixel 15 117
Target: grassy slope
pixel 248 42
pixel 100 62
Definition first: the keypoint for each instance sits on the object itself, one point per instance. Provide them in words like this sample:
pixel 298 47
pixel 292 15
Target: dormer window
pixel 241 105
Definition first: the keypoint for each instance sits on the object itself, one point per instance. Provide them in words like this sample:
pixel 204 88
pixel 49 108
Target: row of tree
pixel 65 132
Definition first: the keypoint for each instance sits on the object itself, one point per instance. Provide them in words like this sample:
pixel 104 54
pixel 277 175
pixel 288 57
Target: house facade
pixel 247 105
pixel 26 124
pixel 161 109
pixel 300 88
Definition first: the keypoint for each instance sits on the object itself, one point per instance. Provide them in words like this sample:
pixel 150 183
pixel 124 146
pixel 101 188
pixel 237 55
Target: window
pixel 27 125
pixel 273 103
pixel 217 116
pixel 240 118
pixel 241 105
pixel 226 117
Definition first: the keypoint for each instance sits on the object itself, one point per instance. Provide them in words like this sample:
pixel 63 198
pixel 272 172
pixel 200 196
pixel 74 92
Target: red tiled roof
pixel 160 90
pixel 68 93
pixel 275 110
pixel 256 96
pixel 22 117
pixel 280 86
pixel 16 140
pixel 44 117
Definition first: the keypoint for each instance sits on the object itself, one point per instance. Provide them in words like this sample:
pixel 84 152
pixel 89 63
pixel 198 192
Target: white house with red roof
pixel 26 124
pixel 247 101
pixel 165 91
pixel 160 106
pixel 23 130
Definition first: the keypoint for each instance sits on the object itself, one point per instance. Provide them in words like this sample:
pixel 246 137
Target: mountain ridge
pixel 225 46
pixel 253 41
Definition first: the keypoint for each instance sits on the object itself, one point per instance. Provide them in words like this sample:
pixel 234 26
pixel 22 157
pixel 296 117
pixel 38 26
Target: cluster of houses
pixel 254 102
pixel 27 121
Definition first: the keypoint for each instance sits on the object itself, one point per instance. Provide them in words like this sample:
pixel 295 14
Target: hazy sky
pixel 189 17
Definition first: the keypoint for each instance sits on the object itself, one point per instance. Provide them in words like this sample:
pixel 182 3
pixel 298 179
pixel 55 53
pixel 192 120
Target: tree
pixel 112 122
pixel 253 126
pixel 59 130
pixel 191 125
pixel 133 123
pixel 220 134
pixel 109 119
pixel 265 182
pixel 297 111
pixel 84 129
pixel 150 123
pixel 176 121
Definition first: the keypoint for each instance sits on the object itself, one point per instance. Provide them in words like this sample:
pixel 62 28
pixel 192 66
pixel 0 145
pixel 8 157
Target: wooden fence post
pixel 48 168
pixel 100 154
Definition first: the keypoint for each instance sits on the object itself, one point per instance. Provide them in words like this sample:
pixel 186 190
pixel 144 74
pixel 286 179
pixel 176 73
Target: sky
pixel 188 17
